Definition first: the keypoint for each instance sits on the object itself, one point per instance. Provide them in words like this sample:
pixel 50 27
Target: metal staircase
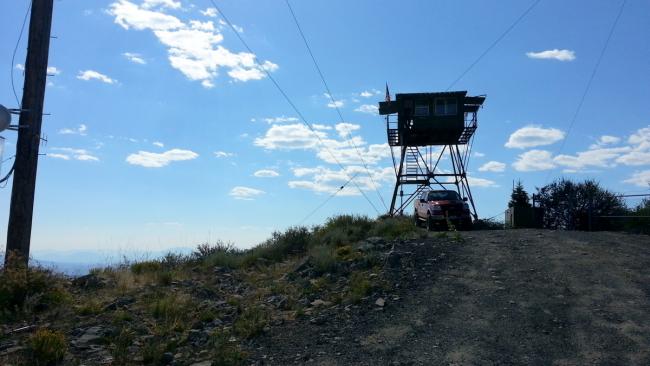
pixel 393 132
pixel 468 131
pixel 415 171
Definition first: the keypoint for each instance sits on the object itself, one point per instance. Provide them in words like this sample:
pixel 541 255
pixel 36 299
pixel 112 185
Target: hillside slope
pixel 354 292
pixel 520 297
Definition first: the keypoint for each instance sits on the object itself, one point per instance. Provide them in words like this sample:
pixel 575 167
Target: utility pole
pixel 29 132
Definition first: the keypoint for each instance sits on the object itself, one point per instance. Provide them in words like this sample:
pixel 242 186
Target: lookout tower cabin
pixel 423 119
pixel 415 123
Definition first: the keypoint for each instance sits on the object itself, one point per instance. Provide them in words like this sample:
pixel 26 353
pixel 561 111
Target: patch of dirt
pixel 517 297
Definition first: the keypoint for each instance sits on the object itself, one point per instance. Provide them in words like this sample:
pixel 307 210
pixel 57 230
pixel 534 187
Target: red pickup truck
pixel 438 208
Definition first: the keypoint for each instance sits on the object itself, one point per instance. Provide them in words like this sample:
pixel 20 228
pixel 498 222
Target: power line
pixel 327 200
pixel 334 102
pixel 286 97
pixel 496 41
pixel 491 217
pixel 13 56
pixel 591 79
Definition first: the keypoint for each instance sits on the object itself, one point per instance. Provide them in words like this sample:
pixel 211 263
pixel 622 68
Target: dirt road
pixel 518 297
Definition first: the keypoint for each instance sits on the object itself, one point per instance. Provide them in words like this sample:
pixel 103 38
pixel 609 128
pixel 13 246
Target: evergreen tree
pixel 519 196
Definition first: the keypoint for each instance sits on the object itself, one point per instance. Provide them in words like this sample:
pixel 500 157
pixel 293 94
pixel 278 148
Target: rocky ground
pixel 520 297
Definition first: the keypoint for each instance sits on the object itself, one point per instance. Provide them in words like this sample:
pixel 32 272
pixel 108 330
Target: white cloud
pixel 492 166
pixel 534 160
pixel 478 154
pixel 531 136
pixel 316 126
pixel 204 26
pixel 194 48
pixel 158 143
pixel 245 193
pixel 555 54
pixel 95 75
pixel 266 173
pixel 339 152
pixel 209 12
pixel 223 154
pixel 281 119
pixel 52 70
pixel 368 108
pixel 86 157
pixel 599 155
pixel 602 158
pixel 325 180
pixel 67 153
pixel 606 140
pixel 345 129
pixel 640 179
pixel 150 4
pixel 481 182
pixel 158 160
pixel 641 139
pixel 369 93
pixel 81 130
pixel 20 67
pixel 129 15
pixel 635 158
pixel 135 58
pixel 335 104
pixel 288 137
pixel 333 151
pixel 58 156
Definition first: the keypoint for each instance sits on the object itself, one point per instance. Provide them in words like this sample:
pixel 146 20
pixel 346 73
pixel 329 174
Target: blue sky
pixel 165 133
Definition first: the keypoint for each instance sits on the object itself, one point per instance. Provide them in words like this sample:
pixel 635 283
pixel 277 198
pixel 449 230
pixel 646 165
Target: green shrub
pixel 146 267
pixel 344 251
pixel 32 288
pixel 172 311
pixel 165 277
pixel 225 353
pixel 122 316
pixel 323 258
pixel 91 307
pixel 222 254
pixel 393 227
pixel 360 287
pixel 120 346
pixel 152 352
pixel 173 260
pixel 251 322
pixel 281 245
pixel 47 347
pixel 343 229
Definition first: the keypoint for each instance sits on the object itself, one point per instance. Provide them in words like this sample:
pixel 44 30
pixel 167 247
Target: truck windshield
pixel 443 196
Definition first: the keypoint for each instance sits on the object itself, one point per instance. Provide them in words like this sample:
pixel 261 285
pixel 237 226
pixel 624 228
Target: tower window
pixel 446 107
pixel 421 109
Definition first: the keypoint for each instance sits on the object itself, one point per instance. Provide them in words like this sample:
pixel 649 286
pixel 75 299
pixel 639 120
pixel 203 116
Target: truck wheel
pixel 416 219
pixel 430 224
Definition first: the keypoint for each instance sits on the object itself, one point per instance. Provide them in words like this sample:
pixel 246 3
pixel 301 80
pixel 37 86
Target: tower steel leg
pixel 398 181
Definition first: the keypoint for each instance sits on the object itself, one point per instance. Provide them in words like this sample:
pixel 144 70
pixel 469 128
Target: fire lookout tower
pixel 425 129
